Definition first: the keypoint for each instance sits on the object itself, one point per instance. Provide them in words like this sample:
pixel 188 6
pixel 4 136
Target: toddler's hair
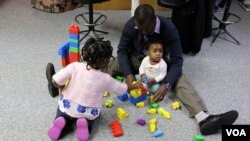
pixel 97 53
pixel 154 40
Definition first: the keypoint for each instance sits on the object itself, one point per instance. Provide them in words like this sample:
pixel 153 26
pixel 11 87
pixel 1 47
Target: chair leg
pixel 87 33
pixel 232 37
pixel 215 37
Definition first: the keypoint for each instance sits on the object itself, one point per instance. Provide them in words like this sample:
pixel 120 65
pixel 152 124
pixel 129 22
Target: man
pixel 131 50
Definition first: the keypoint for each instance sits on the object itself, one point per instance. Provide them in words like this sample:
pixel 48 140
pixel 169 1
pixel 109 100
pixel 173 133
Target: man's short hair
pixel 144 13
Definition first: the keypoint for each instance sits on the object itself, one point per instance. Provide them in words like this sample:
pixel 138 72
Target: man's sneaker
pixel 50 71
pixel 213 123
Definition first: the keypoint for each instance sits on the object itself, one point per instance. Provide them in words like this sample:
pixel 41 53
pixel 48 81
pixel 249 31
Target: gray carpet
pixel 29 39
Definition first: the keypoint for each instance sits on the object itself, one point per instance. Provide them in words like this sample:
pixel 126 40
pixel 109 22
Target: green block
pixel 155 105
pixel 74 49
pixel 198 138
pixel 119 78
pixel 74 41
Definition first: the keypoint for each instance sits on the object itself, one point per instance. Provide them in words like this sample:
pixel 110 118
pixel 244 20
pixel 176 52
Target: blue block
pixel 141 98
pixel 72 44
pixel 158 133
pixel 74 36
pixel 63 51
pixel 123 97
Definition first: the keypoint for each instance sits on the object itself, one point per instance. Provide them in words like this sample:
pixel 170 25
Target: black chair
pixel 92 21
pixel 224 22
pixel 173 4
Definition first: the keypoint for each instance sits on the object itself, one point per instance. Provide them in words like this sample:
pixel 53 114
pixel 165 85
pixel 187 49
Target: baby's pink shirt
pixel 86 87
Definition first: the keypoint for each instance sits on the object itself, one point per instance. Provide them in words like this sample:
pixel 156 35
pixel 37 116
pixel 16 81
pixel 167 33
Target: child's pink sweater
pixel 86 87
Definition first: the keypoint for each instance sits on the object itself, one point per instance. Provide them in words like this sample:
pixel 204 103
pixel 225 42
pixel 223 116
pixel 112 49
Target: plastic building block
pixel 116 128
pixel 198 138
pixel 106 94
pixel 74 49
pixel 74 36
pixel 140 105
pixel 139 99
pixel 121 113
pixel 155 105
pixel 74 57
pixel 63 50
pixel 158 133
pixel 160 110
pixel 151 111
pixel 141 122
pixel 135 93
pixel 153 121
pixel 108 103
pixel 176 105
pixel 144 90
pixel 119 78
pixel 166 115
pixel 152 125
pixel 74 29
pixel 151 99
pixel 123 97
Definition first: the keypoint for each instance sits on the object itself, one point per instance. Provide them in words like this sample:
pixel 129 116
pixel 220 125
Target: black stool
pixel 224 22
pixel 90 23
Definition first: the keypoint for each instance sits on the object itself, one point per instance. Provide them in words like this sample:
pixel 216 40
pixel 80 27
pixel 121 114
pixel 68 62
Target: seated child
pixel 81 100
pixel 153 68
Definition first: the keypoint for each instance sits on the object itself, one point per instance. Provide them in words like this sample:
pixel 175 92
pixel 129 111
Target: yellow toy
pixel 176 105
pixel 108 103
pixel 121 113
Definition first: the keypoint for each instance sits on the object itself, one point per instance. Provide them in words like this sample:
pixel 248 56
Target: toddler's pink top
pixel 86 87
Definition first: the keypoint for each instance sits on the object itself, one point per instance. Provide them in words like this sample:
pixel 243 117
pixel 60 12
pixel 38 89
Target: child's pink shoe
pixel 56 128
pixel 82 131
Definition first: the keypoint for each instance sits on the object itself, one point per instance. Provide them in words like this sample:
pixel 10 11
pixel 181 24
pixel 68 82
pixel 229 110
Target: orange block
pixel 116 128
pixel 74 57
pixel 74 29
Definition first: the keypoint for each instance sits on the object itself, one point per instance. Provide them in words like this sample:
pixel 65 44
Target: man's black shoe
pixel 213 123
pixel 50 71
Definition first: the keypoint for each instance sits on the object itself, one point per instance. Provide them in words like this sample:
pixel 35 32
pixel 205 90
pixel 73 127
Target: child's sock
pixel 56 128
pixel 82 131
pixel 201 116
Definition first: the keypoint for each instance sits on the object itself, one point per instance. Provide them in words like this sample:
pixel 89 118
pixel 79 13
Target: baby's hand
pixel 151 81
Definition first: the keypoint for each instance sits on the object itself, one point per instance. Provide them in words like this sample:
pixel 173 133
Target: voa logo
pixel 236 132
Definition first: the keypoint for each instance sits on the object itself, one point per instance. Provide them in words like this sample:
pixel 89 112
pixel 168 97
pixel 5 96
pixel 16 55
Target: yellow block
pixel 151 111
pixel 176 105
pixel 140 105
pixel 109 103
pixel 121 113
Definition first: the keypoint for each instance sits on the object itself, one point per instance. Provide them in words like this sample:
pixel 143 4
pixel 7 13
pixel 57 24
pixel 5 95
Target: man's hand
pixel 161 93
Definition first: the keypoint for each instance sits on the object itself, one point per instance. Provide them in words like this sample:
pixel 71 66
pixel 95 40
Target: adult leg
pixel 186 93
pixel 208 124
pixel 114 69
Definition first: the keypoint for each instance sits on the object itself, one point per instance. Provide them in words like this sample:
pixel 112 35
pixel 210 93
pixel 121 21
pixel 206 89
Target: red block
pixel 116 128
pixel 74 57
pixel 65 61
pixel 144 90
pixel 74 29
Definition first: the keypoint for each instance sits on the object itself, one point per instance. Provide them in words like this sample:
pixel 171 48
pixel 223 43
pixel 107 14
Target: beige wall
pixel 124 5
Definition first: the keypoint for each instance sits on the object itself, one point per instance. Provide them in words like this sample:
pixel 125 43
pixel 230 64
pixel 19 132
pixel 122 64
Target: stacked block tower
pixel 69 51
pixel 138 95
